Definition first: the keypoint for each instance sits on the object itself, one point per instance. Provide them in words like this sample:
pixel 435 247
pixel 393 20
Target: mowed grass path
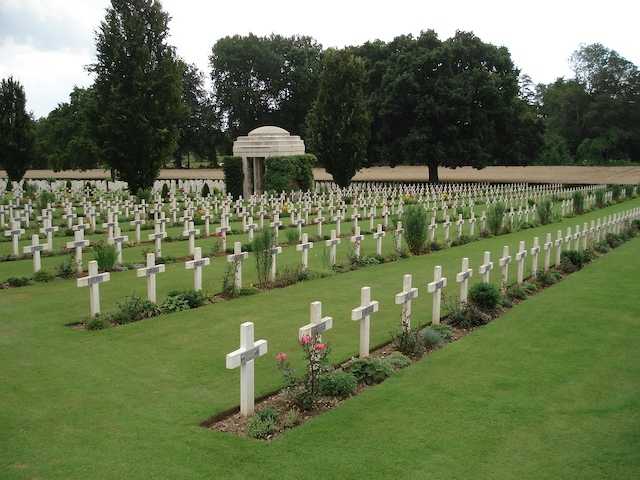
pixel 550 390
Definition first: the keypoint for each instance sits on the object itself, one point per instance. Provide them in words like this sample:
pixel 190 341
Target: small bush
pixel 602 247
pixel 445 331
pixel 18 281
pixel 616 190
pixel 485 296
pixel 132 309
pixel 397 360
pixel 262 424
pixel 370 370
pixel 43 276
pixel 98 322
pixel 105 255
pixel 292 418
pixel 338 384
pixel 571 261
pixel 520 292
pixel 292 236
pixel 548 278
pixel 495 217
pixel 67 268
pixel 466 315
pixel 578 203
pixel 613 240
pixel 414 220
pixel 431 338
pixel 409 343
pixel 600 201
pixel 544 212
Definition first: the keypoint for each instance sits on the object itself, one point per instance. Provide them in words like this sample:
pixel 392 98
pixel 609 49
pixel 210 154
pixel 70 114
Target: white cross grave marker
pixel 150 272
pixel 363 314
pixel 486 267
pixel 318 323
pixel 237 257
pixel 463 279
pixel 35 248
pixel 93 281
pixel 405 298
pixel 196 265
pixel 304 247
pixel 435 287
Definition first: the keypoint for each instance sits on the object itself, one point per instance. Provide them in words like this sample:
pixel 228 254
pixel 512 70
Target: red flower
pixel 305 340
pixel 281 357
pixel 320 346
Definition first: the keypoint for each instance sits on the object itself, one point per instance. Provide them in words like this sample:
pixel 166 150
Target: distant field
pixel 537 174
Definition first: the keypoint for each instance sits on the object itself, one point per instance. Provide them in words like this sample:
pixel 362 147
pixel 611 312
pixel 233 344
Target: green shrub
pixel 132 309
pixel 547 278
pixel 409 342
pixel 520 291
pixel 397 360
pixel 578 203
pixel 105 255
pixel 18 281
pixel 466 315
pixel 338 384
pixel 43 276
pixel 616 190
pixel 233 176
pixel 67 268
pixel 175 303
pixel 263 242
pixel 431 338
pixel 144 194
pixel 600 201
pixel 571 261
pixel 370 370
pixel 205 191
pixel 602 247
pixel 292 418
pixel 495 217
pixel 97 322
pixel 414 220
pixel 290 173
pixel 445 331
pixel 485 296
pixel 262 424
pixel 613 240
pixel 544 211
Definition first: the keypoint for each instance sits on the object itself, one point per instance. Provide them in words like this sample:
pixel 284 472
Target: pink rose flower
pixel 321 346
pixel 305 340
pixel 281 357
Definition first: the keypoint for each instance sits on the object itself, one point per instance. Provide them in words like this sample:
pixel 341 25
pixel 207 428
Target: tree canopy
pixel 16 130
pixel 138 91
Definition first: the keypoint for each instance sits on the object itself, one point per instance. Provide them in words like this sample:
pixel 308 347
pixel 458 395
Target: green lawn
pixel 548 391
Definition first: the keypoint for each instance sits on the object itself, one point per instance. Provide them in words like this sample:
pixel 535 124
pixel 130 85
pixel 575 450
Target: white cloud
pixel 46 43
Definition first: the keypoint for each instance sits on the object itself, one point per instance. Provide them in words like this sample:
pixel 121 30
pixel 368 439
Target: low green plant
pixel 548 278
pixel 571 261
pixel 263 424
pixel 465 315
pixel 578 203
pixel 414 220
pixel 520 291
pixel 370 370
pixel 43 276
pixel 613 240
pixel 445 331
pixel 431 338
pixel 485 296
pixel 600 198
pixel 67 268
pixel 338 383
pixel 397 360
pixel 292 236
pixel 495 217
pixel 132 309
pixel 18 281
pixel 544 212
pixel 409 342
pixel 97 322
pixel 291 418
pixel 105 255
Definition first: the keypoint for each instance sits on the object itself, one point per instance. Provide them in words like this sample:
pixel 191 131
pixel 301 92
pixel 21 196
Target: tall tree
pixel 199 128
pixel 138 91
pixel 450 103
pixel 66 138
pixel 16 130
pixel 339 122
pixel 265 80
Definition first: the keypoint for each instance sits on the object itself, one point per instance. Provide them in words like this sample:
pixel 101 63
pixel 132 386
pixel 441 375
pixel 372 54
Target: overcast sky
pixel 46 43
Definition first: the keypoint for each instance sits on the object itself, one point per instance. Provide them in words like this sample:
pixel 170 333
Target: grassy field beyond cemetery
pixel 551 390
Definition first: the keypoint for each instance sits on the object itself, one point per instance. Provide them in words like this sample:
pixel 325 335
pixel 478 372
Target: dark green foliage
pixel 105 255
pixel 205 191
pixel 165 191
pixel 263 424
pixel 339 122
pixel 578 203
pixel 548 278
pixel 445 331
pixel 370 370
pixel 67 268
pixel 45 198
pixel 18 281
pixel 466 315
pixel 291 173
pixel 144 194
pixel 495 217
pixel 263 242
pixel 43 276
pixel 613 240
pixel 544 211
pixel 338 384
pixel 485 296
pixel 138 90
pixel 270 80
pixel 133 309
pixel 178 300
pixel 98 322
pixel 233 177
pixel 600 201
pixel 463 240
pixel 409 343
pixel 520 291
pixel 616 190
pixel 414 221
pixel 16 130
pixel 571 261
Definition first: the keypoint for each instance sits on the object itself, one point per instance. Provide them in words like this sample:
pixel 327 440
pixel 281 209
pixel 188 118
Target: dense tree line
pixel 414 100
